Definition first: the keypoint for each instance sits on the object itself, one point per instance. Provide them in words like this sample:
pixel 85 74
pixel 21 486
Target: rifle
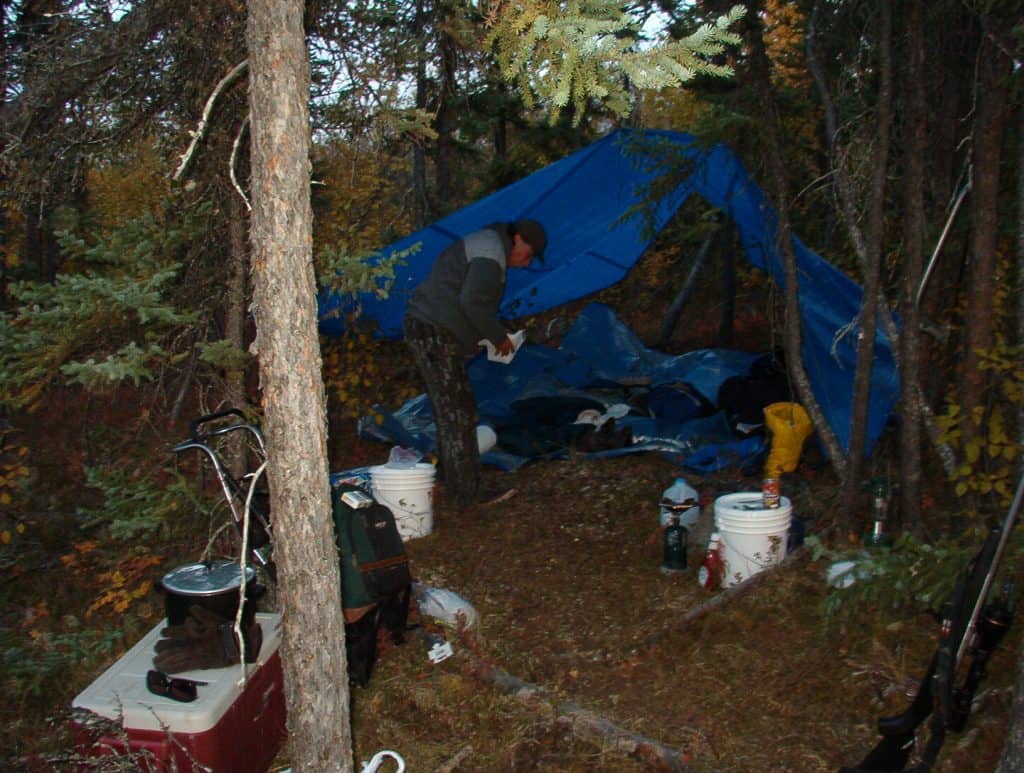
pixel 971 626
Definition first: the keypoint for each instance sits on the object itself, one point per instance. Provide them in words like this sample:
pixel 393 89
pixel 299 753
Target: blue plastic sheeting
pixel 582 200
pixel 597 354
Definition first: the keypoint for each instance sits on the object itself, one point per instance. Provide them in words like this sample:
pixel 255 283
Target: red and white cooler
pixel 232 726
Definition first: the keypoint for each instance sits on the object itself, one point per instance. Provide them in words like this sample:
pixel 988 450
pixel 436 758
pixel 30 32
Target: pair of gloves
pixel 205 640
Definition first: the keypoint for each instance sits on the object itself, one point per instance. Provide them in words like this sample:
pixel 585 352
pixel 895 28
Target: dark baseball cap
pixel 533 233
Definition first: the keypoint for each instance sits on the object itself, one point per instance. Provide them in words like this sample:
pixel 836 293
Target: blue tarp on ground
pixel 596 357
pixel 582 200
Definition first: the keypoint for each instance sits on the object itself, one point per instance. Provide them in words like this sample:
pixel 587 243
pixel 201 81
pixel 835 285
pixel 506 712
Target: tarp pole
pixel 672 315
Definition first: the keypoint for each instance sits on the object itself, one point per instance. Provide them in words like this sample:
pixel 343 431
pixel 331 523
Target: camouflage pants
pixel 442 367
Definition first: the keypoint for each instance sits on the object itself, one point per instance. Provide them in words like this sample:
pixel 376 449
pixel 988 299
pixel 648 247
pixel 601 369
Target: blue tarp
pixel 596 357
pixel 582 200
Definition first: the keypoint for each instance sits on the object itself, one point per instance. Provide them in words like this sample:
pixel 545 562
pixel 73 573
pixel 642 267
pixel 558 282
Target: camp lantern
pixel 879 537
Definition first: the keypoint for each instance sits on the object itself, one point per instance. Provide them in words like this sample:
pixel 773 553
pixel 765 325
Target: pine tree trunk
pixel 913 268
pixel 761 80
pixel 445 156
pixel 312 648
pixel 993 71
pixel 420 202
pixel 872 295
pixel 950 67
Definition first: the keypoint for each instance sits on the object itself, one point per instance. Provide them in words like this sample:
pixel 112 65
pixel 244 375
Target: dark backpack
pixel 375 577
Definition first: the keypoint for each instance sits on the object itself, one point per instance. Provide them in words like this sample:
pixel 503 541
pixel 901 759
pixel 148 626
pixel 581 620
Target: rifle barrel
pixel 979 604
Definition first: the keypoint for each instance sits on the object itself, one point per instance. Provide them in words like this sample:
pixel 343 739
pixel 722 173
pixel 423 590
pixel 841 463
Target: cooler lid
pixel 120 692
pixel 207 578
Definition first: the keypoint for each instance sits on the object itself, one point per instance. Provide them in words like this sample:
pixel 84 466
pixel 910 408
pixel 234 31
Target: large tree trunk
pixel 760 76
pixel 848 210
pixel 501 127
pixel 445 164
pixel 40 247
pixel 420 204
pixel 309 594
pixel 916 146
pixel 993 72
pixel 950 52
pixel 872 295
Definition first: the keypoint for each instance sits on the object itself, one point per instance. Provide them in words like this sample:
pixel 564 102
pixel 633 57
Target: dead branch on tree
pixel 204 121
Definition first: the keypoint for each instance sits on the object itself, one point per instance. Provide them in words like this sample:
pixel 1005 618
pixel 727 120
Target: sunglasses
pixel 184 690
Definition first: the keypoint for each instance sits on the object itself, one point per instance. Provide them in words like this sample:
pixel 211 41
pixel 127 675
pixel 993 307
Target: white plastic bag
pixel 403 458
pixel 486 438
pixel 444 605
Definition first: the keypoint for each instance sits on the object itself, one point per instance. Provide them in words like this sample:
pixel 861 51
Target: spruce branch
pixel 568 54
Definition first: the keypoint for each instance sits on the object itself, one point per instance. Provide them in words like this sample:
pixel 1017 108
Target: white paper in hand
pixel 492 353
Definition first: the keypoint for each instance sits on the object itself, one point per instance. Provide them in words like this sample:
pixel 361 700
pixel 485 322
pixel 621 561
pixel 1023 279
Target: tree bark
pixel 445 155
pixel 986 148
pixel 761 79
pixel 40 247
pixel 284 293
pixel 420 202
pixel 872 294
pixel 916 146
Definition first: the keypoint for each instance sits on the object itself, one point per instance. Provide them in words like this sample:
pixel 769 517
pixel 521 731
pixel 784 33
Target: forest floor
pixel 610 660
pixel 585 657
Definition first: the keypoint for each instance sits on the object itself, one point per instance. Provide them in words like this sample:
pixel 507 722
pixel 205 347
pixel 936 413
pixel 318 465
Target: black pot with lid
pixel 212 585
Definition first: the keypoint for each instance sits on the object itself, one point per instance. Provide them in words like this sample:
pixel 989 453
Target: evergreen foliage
pixel 569 54
pixel 350 275
pixel 136 507
pixel 912 576
pixel 101 322
pixel 32 667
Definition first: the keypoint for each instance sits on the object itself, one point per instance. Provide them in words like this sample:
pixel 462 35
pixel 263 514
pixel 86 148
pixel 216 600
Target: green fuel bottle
pixel 675 541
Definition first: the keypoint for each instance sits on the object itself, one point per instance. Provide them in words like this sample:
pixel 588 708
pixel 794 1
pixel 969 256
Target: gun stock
pixel 971 625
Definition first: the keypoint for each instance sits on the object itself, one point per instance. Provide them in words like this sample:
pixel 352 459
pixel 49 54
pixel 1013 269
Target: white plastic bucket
pixel 753 536
pixel 408 494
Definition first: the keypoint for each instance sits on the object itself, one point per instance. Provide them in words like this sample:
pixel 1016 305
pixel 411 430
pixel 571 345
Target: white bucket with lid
pixel 408 493
pixel 753 536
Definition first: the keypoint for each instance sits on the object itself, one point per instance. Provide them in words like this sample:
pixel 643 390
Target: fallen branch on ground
pixel 457 760
pixel 720 599
pixel 584 724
